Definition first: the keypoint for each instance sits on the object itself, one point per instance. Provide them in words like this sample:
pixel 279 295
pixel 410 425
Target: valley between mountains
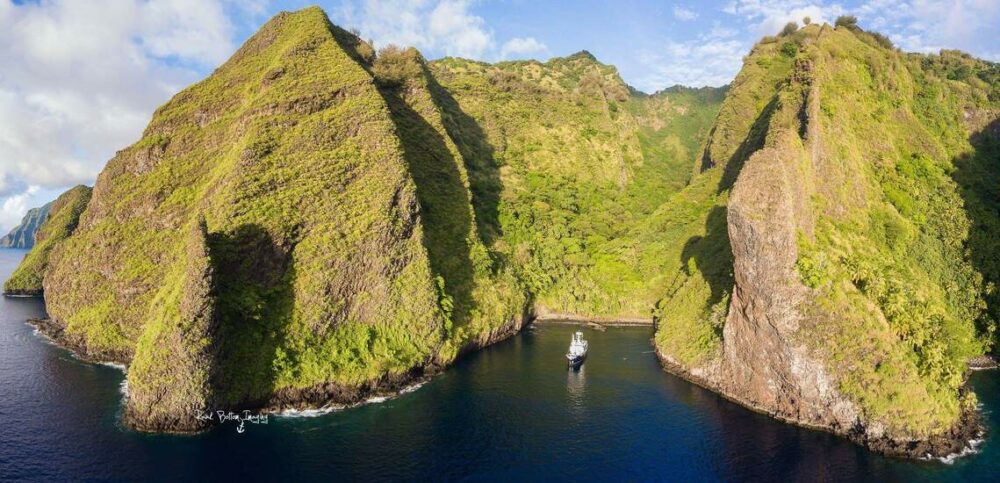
pixel 318 221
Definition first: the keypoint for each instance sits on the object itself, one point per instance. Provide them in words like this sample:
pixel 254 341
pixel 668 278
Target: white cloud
pixel 703 62
pixel 79 82
pixel 445 26
pixel 914 25
pixel 928 26
pixel 522 47
pixel 684 14
pixel 13 209
pixel 713 59
pixel 435 27
pixel 457 31
pixel 768 17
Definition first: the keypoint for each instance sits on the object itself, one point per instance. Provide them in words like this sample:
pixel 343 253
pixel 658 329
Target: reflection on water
pixel 510 412
pixel 576 379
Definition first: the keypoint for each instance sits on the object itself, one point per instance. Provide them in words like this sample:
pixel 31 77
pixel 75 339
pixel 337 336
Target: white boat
pixel 577 350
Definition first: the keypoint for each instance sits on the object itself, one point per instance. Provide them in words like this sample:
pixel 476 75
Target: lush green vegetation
pixel 692 228
pixel 172 377
pixel 890 252
pixel 579 161
pixel 478 294
pixel 370 213
pixel 62 219
pixel 338 217
pixel 290 154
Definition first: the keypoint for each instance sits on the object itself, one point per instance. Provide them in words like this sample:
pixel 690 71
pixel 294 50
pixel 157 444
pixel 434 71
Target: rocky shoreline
pixel 331 396
pixel 335 395
pixel 983 363
pixel 57 334
pixel 314 398
pixel 955 441
pixel 545 316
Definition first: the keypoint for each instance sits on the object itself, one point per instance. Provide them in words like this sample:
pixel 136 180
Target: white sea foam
pixel 123 388
pixel 308 413
pixel 314 412
pixel 120 367
pixel 412 387
pixel 972 447
pixel 42 335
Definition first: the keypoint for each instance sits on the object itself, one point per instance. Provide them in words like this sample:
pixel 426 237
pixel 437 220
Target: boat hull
pixel 575 361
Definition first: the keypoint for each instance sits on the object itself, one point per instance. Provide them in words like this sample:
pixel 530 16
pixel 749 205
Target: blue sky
pixel 80 79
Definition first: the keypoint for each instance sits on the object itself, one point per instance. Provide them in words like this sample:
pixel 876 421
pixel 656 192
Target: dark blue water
pixel 509 413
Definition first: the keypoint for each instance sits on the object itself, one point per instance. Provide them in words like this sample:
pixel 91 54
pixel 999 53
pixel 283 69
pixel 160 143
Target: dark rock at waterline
pixel 983 362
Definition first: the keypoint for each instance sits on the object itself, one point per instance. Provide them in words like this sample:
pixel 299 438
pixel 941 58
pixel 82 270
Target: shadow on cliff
pixel 754 141
pixel 472 142
pixel 444 200
pixel 477 152
pixel 253 283
pixel 442 193
pixel 978 176
pixel 711 256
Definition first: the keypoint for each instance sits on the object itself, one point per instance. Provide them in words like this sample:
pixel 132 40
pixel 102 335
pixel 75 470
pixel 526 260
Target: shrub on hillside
pixel 394 65
pixel 847 21
pixel 881 40
pixel 790 28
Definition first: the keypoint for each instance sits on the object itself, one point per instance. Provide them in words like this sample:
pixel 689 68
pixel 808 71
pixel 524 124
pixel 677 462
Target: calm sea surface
pixel 512 412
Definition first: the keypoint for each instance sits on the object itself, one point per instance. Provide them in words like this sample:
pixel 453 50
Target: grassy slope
pixel 575 160
pixel 289 152
pixel 309 160
pixel 62 219
pixel 897 241
pixel 479 293
pixel 691 235
pixel 887 248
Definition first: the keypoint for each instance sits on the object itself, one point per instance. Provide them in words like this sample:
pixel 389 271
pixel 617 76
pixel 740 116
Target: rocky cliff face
pixel 284 234
pixel 315 222
pixel 822 329
pixel 312 229
pixel 23 235
pixel 62 216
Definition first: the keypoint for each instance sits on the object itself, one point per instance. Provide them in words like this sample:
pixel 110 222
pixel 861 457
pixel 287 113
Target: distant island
pixel 318 222
pixel 23 235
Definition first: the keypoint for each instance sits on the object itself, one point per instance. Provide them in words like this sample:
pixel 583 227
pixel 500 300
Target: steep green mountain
pixel 865 192
pixel 316 222
pixel 61 218
pixel 23 235
pixel 280 236
pixel 571 166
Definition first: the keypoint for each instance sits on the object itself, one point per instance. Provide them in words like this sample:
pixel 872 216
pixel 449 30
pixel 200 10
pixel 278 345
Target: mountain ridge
pixel 316 222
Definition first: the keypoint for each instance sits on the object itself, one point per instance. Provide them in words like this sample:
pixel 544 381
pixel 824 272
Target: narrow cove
pixel 510 411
